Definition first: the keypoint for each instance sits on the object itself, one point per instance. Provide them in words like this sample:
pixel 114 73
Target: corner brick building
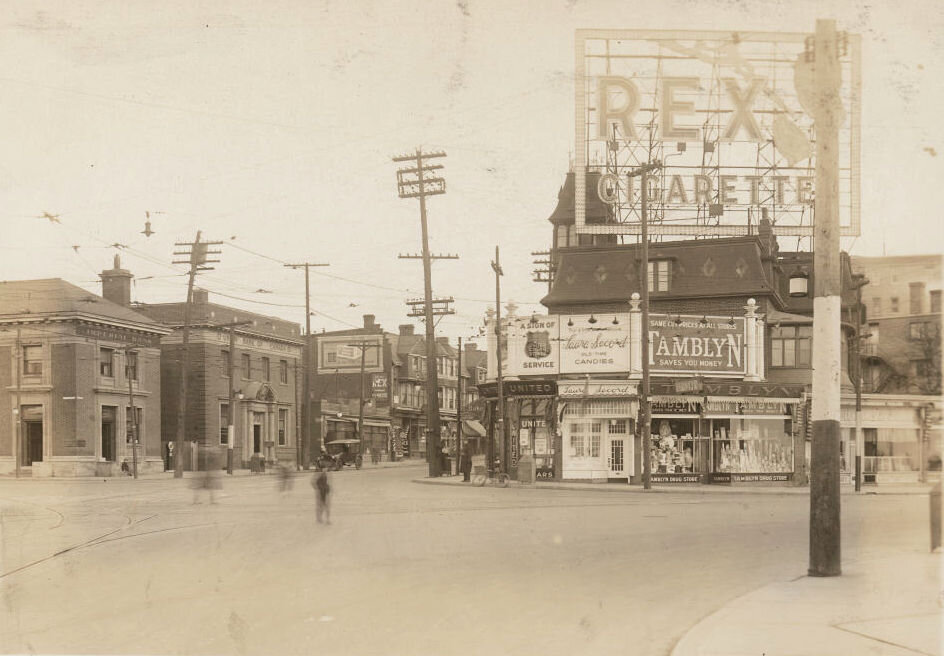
pixel 65 359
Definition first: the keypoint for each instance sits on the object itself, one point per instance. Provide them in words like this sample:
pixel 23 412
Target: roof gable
pixel 56 297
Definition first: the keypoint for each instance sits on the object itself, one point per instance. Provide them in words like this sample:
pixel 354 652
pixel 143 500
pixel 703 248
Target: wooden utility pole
pixel 197 254
pixel 418 182
pixel 861 281
pixel 303 450
pixel 133 420
pixel 645 419
pixel 459 411
pixel 500 405
pixel 363 345
pixel 825 552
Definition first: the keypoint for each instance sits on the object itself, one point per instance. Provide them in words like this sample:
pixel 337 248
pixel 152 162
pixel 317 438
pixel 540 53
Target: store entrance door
pixel 34 442
pixel 614 458
pixel 109 418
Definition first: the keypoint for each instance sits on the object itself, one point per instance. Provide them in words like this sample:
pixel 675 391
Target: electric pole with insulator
pixel 303 449
pixel 197 253
pixel 364 345
pixel 500 404
pixel 645 419
pixel 419 181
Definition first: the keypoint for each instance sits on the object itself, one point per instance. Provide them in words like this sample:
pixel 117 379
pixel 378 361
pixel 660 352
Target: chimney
pixel 766 232
pixel 406 329
pixel 201 297
pixel 116 284
pixel 442 340
pixel 369 322
pixel 471 347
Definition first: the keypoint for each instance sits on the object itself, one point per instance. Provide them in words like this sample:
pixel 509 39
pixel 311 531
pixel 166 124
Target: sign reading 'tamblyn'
pixel 696 345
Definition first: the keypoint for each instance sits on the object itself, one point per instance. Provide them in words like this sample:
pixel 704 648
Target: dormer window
pixel 660 274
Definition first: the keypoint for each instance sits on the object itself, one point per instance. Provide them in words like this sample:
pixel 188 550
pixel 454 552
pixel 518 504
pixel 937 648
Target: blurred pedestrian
pixel 208 479
pixel 285 477
pixel 322 496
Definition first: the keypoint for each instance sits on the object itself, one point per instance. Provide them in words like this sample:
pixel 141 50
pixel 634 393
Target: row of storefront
pixel 587 430
pixel 729 428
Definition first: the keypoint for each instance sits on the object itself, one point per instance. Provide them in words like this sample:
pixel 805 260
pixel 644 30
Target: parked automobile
pixel 339 454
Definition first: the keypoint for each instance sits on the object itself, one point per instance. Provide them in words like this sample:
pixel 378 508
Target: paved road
pixel 404 568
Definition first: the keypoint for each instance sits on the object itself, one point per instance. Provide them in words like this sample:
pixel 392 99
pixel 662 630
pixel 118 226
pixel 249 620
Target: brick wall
pixel 6 401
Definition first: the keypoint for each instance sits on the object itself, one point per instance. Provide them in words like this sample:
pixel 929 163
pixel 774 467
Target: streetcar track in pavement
pixel 80 545
pixel 38 505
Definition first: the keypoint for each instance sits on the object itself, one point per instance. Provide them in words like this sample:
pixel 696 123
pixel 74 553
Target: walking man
pixel 322 496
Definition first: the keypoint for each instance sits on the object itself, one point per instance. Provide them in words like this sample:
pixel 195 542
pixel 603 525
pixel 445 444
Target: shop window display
pixel 677 448
pixel 752 445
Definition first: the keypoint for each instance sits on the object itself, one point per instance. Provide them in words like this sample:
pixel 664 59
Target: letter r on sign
pixel 622 112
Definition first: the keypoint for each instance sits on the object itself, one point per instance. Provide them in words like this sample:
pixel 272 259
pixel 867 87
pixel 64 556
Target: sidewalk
pixel 887 606
pixel 237 473
pixel 624 488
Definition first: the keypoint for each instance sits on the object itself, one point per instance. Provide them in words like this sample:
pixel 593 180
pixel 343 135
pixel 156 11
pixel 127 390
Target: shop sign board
pixel 520 388
pixel 773 477
pixel 575 389
pixel 378 388
pixel 737 388
pixel 112 334
pixel 689 344
pixel 544 473
pixel 677 478
pixel 535 346
pixel 717 102
pixel 338 354
pixel 594 345
pixel 689 385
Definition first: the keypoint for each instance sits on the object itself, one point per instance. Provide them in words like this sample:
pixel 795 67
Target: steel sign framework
pixel 726 114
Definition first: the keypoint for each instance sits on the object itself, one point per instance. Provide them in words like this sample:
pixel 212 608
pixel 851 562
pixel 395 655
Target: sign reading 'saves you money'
pixel 728 115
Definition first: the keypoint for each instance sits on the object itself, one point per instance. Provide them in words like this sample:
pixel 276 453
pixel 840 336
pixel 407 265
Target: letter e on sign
pixel 672 108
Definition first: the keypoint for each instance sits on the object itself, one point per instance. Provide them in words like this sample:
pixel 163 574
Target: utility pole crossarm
pixel 197 257
pixel 419 256
pixel 418 181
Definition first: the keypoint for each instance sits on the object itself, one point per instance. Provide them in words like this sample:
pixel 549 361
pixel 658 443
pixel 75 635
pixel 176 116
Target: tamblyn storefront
pixel 714 419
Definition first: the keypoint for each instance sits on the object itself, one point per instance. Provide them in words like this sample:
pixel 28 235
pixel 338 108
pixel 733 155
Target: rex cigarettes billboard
pixel 729 116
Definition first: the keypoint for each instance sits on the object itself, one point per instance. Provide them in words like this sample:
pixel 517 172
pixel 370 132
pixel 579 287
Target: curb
pixel 700 490
pixel 681 646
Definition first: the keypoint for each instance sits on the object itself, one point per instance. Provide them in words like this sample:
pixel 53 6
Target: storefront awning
pixel 472 428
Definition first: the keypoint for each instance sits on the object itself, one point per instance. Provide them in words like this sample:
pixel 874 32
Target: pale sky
pixel 275 123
